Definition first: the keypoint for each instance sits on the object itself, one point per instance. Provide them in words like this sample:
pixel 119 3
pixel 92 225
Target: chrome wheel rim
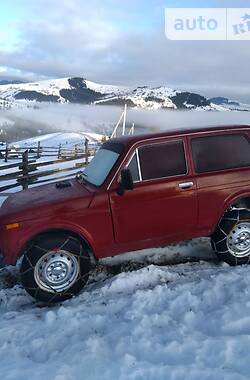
pixel 56 271
pixel 238 241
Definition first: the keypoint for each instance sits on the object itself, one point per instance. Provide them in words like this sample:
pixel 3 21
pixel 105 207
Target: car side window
pixel 214 153
pixel 162 160
pixel 134 168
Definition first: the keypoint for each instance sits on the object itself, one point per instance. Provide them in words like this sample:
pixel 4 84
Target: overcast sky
pixel 118 42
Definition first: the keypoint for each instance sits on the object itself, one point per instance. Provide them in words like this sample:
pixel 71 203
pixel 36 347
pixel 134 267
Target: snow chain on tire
pixel 226 226
pixel 42 245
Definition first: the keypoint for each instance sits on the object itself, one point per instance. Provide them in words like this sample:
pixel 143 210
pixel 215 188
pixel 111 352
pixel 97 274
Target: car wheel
pixel 231 240
pixel 55 267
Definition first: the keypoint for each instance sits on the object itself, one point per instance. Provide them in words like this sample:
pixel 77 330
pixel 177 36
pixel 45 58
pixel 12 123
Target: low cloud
pixel 102 119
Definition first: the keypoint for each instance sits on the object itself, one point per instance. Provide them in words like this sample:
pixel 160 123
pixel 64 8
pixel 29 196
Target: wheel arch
pixel 75 234
pixel 236 200
pixel 242 202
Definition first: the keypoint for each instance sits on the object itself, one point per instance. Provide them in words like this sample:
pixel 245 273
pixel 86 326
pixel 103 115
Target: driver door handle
pixel 186 185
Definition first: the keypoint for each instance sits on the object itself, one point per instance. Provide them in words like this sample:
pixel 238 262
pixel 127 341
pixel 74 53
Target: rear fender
pixel 229 201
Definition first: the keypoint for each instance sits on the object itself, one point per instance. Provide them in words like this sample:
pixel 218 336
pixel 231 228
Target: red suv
pixel 138 192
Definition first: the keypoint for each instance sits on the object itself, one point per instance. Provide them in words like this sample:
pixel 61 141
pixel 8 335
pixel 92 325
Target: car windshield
pixel 100 166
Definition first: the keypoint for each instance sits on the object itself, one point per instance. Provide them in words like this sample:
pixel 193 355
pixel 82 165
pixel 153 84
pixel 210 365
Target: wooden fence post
pixel 6 152
pixel 38 155
pixel 59 151
pixel 86 144
pixel 25 170
pixel 76 150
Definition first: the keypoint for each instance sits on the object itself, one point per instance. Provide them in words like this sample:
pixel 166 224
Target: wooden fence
pixel 27 171
pixel 10 151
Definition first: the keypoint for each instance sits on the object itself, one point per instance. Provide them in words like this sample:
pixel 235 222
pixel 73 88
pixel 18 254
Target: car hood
pixel 44 201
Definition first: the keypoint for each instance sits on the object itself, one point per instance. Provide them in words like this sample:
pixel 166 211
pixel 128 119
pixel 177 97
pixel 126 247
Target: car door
pixel 163 201
pixel 222 166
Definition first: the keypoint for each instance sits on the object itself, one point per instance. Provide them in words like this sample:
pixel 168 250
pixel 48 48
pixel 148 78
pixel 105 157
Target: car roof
pixel 179 131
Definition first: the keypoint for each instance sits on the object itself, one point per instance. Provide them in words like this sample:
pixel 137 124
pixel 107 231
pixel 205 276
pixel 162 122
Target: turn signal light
pixel 12 226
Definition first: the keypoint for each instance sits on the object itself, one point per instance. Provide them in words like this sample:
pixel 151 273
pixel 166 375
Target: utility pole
pixel 124 120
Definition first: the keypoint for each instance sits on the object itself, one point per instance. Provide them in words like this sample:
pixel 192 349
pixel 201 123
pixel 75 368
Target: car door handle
pixel 186 185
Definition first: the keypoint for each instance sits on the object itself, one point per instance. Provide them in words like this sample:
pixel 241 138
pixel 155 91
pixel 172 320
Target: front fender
pixel 16 243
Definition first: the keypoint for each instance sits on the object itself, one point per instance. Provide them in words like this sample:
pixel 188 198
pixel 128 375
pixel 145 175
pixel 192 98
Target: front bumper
pixel 9 246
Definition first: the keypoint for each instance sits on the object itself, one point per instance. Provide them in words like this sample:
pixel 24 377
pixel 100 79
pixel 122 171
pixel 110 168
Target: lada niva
pixel 137 192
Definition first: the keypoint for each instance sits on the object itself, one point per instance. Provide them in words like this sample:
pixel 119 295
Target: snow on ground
pixel 107 89
pixel 188 321
pixel 66 139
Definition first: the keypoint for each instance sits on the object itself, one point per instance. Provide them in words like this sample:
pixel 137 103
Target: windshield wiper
pixel 80 175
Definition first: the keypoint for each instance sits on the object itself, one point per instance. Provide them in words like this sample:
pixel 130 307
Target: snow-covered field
pixel 189 321
pixel 65 139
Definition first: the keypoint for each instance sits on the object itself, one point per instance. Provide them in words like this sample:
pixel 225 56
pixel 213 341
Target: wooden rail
pixel 10 152
pixel 27 170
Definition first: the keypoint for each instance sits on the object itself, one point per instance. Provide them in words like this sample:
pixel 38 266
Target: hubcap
pixel 238 241
pixel 56 271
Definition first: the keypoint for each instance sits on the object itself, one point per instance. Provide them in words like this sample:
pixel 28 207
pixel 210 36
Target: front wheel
pixel 55 267
pixel 231 240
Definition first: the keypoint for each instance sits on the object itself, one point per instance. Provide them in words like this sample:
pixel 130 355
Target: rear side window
pixel 220 152
pixel 162 160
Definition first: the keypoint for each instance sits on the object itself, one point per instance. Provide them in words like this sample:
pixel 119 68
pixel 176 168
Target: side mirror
pixel 126 182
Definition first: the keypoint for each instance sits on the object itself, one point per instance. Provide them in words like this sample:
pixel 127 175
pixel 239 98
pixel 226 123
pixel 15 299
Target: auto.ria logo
pixel 244 26
pixel 207 23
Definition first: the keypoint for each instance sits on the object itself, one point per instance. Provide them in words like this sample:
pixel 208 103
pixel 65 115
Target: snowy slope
pixel 189 321
pixel 46 87
pixel 231 105
pixel 80 90
pixel 68 139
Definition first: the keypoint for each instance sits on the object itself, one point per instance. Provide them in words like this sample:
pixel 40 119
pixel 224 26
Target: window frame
pixel 192 138
pixel 136 152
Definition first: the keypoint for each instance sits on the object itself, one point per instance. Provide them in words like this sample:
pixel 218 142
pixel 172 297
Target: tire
pixel 54 267
pixel 231 240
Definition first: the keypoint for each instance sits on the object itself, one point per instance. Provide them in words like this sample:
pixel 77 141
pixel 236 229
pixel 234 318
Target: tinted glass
pixel 133 167
pixel 220 152
pixel 162 160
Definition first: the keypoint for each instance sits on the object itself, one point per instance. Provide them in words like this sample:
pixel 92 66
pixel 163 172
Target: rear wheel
pixel 55 267
pixel 231 240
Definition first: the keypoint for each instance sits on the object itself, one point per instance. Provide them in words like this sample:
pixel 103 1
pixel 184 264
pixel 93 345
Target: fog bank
pixel 102 119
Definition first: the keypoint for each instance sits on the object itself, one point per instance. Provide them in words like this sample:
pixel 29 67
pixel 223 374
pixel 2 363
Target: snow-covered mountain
pixel 231 105
pixel 79 90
